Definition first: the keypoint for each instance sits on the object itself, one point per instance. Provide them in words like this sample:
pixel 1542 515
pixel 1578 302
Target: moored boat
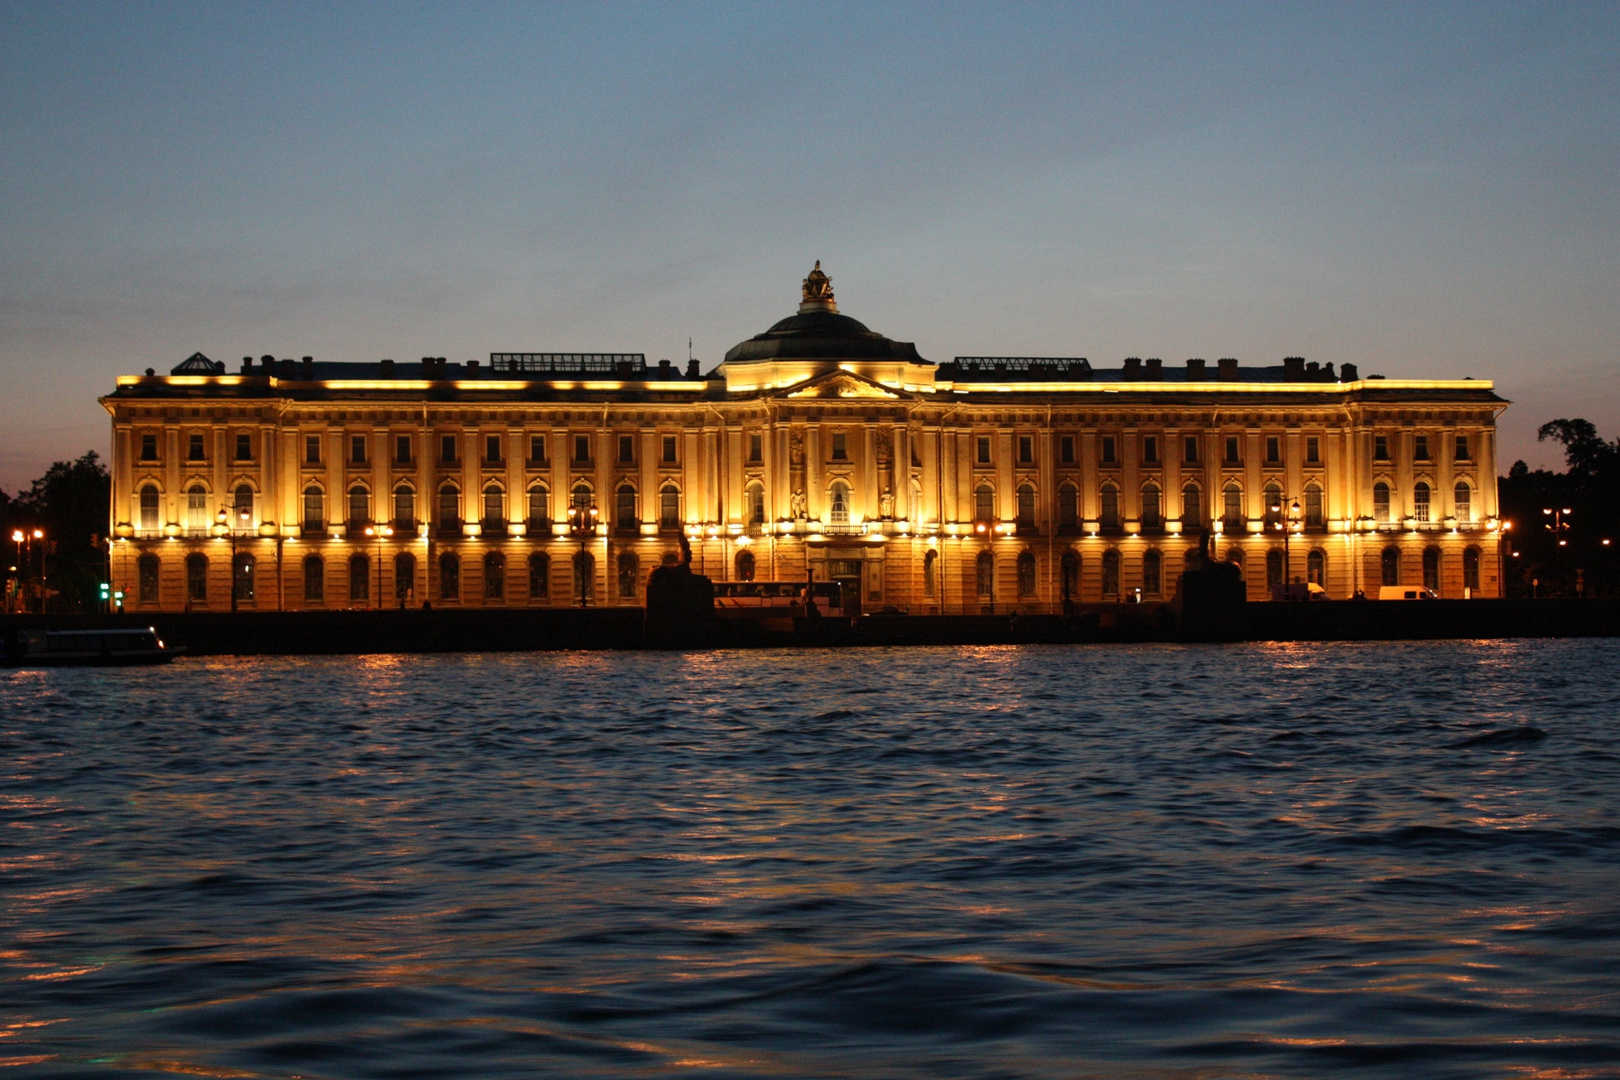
pixel 90 648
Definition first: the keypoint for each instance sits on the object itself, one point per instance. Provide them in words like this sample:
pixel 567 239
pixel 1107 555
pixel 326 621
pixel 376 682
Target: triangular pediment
pixel 842 384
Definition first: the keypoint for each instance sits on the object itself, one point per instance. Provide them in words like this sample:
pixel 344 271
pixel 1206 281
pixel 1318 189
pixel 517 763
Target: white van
pixel 1405 592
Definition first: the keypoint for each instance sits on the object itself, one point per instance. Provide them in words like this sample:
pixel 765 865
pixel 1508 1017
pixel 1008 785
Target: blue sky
pixel 1421 190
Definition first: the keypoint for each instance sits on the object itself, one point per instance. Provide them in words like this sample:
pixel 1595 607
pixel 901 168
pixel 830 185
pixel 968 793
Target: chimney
pixel 692 369
pixel 289 369
pixel 1195 370
pixel 1347 373
pixel 472 369
pixel 1293 369
pixel 247 365
pixel 1327 371
pixel 1313 372
pixel 1227 366
pixel 666 371
pixel 309 369
pixel 1133 369
pixel 1155 369
pixel 266 360
pixel 387 367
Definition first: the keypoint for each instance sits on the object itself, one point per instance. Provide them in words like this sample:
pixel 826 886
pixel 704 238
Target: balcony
pixel 312 529
pixel 537 526
pixel 492 527
pixel 448 529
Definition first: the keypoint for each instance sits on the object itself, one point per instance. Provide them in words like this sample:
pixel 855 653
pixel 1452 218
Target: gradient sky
pixel 1423 191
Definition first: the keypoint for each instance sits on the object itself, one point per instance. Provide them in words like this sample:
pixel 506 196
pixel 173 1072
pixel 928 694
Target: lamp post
pixel 1285 522
pixel 223 530
pixel 582 525
pixel 378 532
pixel 17 537
pixel 1558 527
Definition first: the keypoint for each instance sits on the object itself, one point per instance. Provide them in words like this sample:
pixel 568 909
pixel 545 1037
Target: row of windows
pixel 1420 448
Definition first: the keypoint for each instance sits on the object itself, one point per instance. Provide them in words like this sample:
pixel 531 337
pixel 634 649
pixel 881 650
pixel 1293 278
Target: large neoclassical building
pixel 993 483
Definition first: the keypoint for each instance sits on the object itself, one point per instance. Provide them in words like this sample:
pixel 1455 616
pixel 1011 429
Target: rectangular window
pixel 582 449
pixel 1420 448
pixel 1232 450
pixel 402 449
pixel 1189 454
pixel 1066 449
pixel 627 449
pixel 537 448
pixel 244 448
pixel 1313 450
pixel 149 448
pixel 1380 448
pixel 447 449
pixel 1108 457
pixel 1026 450
pixel 492 449
pixel 669 449
pixel 984 450
pixel 1462 448
pixel 1273 450
pixel 756 448
pixel 312 449
pixel 357 449
pixel 840 448
pixel 194 449
pixel 1150 450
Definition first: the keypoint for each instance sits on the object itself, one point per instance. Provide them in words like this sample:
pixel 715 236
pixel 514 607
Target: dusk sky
pixel 1420 190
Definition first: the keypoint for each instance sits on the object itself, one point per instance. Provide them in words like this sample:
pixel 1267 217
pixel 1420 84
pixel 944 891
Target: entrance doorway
pixel 848 573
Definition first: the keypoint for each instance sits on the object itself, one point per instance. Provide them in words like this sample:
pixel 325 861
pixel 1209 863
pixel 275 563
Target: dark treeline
pixel 69 505
pixel 1589 488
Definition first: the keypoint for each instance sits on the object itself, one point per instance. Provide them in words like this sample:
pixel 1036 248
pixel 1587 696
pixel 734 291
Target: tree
pixel 69 504
pixel 1590 490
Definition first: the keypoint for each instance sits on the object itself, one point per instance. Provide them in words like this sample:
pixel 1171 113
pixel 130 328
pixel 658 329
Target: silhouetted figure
pixel 680 604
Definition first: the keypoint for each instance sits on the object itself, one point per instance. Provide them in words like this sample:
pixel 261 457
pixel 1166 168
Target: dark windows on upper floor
pixel 627 449
pixel 447 449
pixel 493 455
pixel 1420 448
pixel 1189 450
pixel 402 449
pixel 669 454
pixel 1110 455
pixel 196 449
pixel 582 449
pixel 1273 450
pixel 1234 455
pixel 983 450
pixel 149 451
pixel 756 447
pixel 312 449
pixel 1066 449
pixel 537 449
pixel 1150 449
pixel 244 446
pixel 1026 450
pixel 1380 447
pixel 1462 453
pixel 1313 450
pixel 357 449
pixel 840 446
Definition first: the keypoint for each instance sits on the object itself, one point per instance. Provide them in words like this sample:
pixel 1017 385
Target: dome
pixel 818 332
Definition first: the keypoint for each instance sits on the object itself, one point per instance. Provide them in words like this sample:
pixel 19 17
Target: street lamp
pixel 17 537
pixel 1558 527
pixel 379 532
pixel 582 525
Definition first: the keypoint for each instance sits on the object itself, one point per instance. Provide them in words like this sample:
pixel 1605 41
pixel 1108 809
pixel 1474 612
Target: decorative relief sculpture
pixel 886 505
pixel 885 445
pixel 798 505
pixel 818 286
pixel 796 447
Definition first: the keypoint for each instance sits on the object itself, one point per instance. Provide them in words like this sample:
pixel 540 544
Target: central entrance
pixel 848 573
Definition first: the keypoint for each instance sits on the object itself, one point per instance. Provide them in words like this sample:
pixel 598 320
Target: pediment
pixel 842 384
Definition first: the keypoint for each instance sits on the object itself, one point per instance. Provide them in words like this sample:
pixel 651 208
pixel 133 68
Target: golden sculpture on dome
pixel 818 288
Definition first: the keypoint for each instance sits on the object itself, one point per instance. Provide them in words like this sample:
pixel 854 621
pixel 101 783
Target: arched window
pixel 930 573
pixel 539 507
pixel 242 508
pixel 539 576
pixel 1152 516
pixel 1316 568
pixel 1431 569
pixel 669 508
pixel 1192 507
pixel 494 576
pixel 1026 506
pixel 1462 501
pixel 242 578
pixel 449 577
pixel 1070 572
pixel 314 579
pixel 149 508
pixel 1314 516
pixel 1390 565
pixel 581 496
pixel 405 508
pixel 754 496
pixel 984 573
pixel 1068 507
pixel 1026 574
pixel 915 508
pixel 314 509
pixel 745 566
pixel 584 576
pixel 148 567
pixel 1110 573
pixel 1274 505
pixel 197 579
pixel 449 508
pixel 1110 507
pixel 1232 510
pixel 359 579
pixel 197 517
pixel 629 569
pixel 1152 572
pixel 359 506
pixel 1420 501
pixel 839 504
pixel 1274 568
pixel 1235 557
pixel 624 508
pixel 1381 502
pixel 1471 570
pixel 404 578
pixel 494 506
pixel 984 503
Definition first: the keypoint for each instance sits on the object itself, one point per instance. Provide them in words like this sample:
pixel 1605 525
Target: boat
pixel 90 648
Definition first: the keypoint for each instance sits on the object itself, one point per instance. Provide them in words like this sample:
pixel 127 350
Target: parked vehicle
pixel 1405 592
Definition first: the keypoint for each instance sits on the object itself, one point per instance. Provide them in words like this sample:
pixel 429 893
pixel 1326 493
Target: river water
pixel 1259 860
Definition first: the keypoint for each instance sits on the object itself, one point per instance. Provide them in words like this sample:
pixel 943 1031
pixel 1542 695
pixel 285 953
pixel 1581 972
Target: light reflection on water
pixel 1155 861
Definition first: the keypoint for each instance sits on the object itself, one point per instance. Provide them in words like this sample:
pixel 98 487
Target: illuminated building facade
pixel 983 484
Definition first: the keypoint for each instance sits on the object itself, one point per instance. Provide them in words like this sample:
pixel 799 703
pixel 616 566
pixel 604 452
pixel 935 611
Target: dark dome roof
pixel 822 335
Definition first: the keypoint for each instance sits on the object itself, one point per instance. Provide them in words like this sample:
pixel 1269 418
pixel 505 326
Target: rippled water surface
pixel 1371 860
